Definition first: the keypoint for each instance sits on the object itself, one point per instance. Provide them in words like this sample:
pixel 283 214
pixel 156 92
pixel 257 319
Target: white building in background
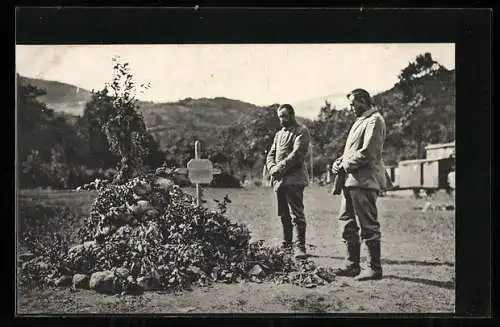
pixel 441 150
pixel 436 171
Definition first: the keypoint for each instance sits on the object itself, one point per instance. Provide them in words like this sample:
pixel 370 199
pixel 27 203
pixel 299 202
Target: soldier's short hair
pixel 361 94
pixel 288 108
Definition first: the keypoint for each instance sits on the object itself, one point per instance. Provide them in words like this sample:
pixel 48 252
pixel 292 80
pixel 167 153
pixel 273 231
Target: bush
pixel 225 180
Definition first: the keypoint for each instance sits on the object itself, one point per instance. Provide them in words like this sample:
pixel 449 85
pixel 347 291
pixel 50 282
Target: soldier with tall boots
pixel 363 177
pixel 286 164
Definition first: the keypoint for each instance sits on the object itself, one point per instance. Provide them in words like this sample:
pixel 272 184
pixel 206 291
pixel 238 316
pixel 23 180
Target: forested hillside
pixel 62 142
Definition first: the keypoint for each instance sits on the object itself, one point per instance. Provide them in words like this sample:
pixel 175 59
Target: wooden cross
pixel 199 171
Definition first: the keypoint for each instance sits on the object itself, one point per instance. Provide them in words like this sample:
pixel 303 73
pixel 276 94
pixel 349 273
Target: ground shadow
pixel 397 262
pixel 450 285
pixel 417 263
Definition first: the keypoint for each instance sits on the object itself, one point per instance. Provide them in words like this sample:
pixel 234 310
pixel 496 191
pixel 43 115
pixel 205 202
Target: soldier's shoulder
pixel 303 128
pixel 377 115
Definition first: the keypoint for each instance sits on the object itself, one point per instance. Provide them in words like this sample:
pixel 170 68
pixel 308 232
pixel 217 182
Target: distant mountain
pixel 204 112
pixel 67 98
pixel 60 96
pixel 197 113
pixel 185 117
pixel 310 108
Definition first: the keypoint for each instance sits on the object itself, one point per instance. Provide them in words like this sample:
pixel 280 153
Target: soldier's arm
pixel 271 155
pixel 299 151
pixel 372 143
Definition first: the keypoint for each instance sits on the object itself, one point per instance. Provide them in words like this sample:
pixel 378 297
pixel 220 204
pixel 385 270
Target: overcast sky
pixel 261 74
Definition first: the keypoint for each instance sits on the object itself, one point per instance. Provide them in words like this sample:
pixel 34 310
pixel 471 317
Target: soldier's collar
pixel 291 127
pixel 367 113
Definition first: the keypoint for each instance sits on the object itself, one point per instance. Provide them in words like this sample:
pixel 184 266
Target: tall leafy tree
pixel 95 114
pixel 423 118
pixel 47 145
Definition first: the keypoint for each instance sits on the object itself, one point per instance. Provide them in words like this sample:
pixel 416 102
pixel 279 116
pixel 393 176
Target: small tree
pixel 124 127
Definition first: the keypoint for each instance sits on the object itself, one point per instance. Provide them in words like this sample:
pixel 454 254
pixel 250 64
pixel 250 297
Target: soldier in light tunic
pixel 365 176
pixel 286 163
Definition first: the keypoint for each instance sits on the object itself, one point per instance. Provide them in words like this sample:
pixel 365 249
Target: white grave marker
pixel 200 171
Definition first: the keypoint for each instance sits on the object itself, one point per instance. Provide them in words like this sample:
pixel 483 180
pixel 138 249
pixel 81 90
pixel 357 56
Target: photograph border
pixel 469 29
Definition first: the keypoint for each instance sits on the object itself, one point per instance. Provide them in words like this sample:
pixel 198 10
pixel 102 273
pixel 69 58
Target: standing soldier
pixel 364 177
pixel 286 163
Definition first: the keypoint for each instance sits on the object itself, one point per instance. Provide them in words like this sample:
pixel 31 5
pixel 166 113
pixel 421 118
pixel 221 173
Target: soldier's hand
pixel 336 167
pixel 273 171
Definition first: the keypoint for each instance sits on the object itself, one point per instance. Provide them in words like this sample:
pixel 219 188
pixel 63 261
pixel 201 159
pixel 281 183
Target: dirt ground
pixel 418 253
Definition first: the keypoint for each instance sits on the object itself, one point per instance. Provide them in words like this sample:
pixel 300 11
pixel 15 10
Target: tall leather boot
pixel 300 251
pixel 373 271
pixel 287 225
pixel 350 267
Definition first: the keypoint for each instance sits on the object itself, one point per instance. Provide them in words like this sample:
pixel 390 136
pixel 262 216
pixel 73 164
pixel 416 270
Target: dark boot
pixel 351 264
pixel 300 251
pixel 373 271
pixel 287 233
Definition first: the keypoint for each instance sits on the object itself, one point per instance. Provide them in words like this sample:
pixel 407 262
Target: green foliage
pixel 168 240
pixel 57 150
pixel 328 135
pixel 97 111
pixel 242 148
pixel 47 144
pixel 419 110
pixel 64 151
pixel 123 125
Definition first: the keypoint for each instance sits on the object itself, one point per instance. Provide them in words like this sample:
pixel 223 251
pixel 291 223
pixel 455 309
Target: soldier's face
pixel 357 106
pixel 284 117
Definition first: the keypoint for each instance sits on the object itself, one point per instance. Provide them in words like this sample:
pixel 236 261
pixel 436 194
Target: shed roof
pixel 440 145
